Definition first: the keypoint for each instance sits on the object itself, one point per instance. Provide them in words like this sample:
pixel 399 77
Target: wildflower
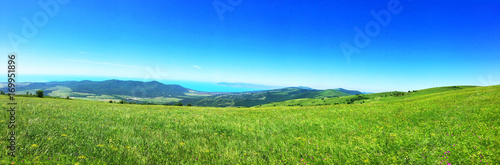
pixel 100 145
pixel 34 145
pixel 64 135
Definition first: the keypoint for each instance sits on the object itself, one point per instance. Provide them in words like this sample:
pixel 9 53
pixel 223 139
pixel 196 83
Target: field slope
pixel 455 126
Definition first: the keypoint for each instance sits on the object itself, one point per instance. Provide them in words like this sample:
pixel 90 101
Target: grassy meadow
pixel 451 126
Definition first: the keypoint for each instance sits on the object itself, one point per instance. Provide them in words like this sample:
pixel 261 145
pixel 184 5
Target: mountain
pixel 109 87
pixel 158 93
pixel 351 92
pixel 248 99
pixel 247 85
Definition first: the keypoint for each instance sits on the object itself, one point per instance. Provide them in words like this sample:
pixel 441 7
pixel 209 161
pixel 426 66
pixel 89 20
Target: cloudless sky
pixel 272 42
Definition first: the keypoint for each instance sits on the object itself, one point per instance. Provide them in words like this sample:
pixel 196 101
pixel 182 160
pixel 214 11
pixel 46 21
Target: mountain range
pixel 159 93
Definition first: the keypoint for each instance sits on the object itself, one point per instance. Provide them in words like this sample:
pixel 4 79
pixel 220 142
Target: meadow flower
pixel 100 145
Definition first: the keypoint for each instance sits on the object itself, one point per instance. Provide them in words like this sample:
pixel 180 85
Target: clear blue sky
pixel 272 42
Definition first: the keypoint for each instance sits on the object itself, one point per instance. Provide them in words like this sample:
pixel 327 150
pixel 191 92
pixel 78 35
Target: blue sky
pixel 275 42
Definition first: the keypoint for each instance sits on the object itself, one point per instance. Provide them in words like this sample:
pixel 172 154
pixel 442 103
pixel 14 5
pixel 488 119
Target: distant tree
pixel 39 93
pixel 409 91
pixel 110 101
pixel 178 104
pixel 189 104
pixel 27 93
pixel 122 101
pixel 67 97
pixel 2 93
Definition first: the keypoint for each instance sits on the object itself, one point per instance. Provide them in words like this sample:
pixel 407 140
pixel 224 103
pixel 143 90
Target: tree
pixel 27 93
pixel 2 93
pixel 39 93
pixel 178 104
pixel 122 101
pixel 67 97
pixel 189 104
pixel 110 101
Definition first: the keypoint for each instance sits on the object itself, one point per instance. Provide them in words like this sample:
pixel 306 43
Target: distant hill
pixel 158 93
pixel 263 97
pixel 351 92
pixel 358 98
pixel 247 85
pixel 110 87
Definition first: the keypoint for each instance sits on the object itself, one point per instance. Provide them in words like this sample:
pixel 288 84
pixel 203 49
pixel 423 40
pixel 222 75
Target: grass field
pixel 450 126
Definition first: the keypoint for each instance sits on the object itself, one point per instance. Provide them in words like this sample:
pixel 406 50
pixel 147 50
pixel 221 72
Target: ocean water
pixel 198 86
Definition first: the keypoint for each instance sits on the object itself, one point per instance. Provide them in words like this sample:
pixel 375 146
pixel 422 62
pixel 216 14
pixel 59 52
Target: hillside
pixel 108 87
pixel 256 98
pixel 365 98
pixel 452 126
pixel 157 93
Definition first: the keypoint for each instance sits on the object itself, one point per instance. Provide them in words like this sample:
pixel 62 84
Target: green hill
pixel 366 98
pixel 249 99
pixel 157 93
pixel 446 125
pixel 108 87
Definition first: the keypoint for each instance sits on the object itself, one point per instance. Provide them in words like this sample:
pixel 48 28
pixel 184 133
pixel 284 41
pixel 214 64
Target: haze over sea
pixel 198 86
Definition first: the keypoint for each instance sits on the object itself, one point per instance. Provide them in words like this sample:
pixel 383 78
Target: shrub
pixel 39 93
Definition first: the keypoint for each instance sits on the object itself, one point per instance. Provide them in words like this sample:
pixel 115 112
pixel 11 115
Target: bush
pixel 39 93
pixel 189 104
pixel 178 104
pixel 122 101
pixel 110 101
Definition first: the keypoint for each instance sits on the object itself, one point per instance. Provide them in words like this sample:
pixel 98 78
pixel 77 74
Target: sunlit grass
pixel 457 127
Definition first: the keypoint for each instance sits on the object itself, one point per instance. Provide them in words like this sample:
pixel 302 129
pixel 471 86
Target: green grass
pixel 417 130
pixel 160 100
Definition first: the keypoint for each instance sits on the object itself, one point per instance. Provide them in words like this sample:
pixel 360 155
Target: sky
pixel 371 46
